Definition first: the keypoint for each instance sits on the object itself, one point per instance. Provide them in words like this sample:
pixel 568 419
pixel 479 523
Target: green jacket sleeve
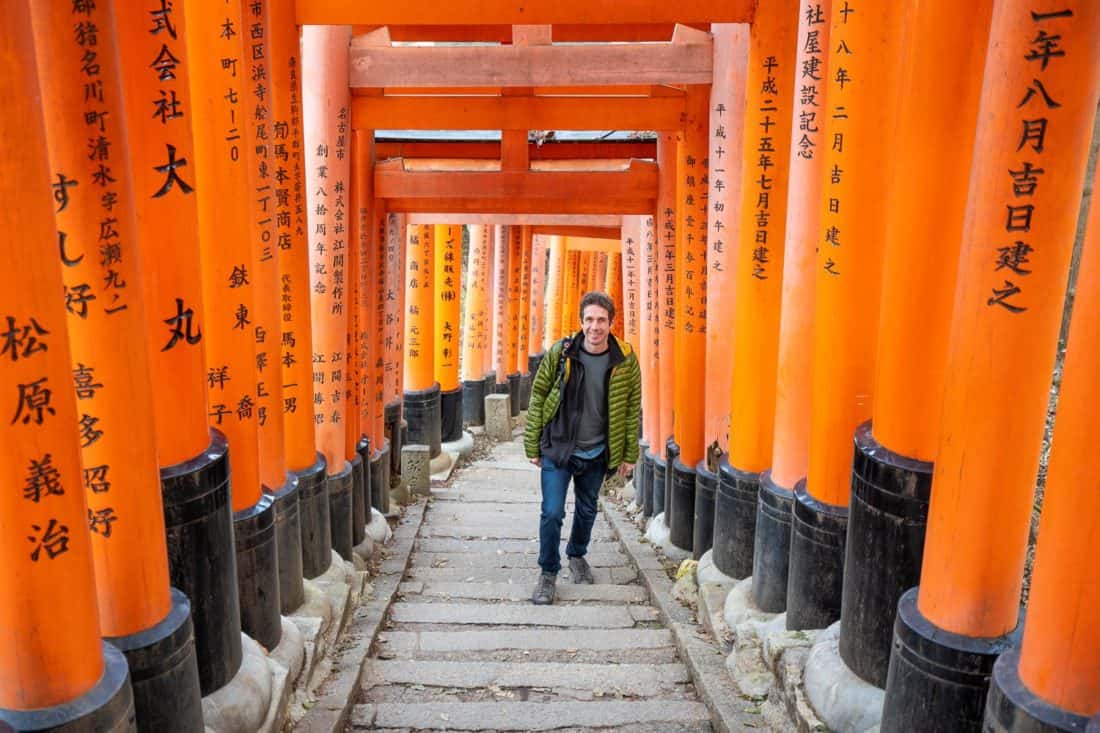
pixel 633 411
pixel 540 387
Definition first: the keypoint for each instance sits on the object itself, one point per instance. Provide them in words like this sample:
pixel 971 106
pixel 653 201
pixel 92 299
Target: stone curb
pixel 330 712
pixel 731 712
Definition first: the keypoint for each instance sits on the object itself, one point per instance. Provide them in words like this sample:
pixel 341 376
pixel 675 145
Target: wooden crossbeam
pixel 475 150
pixel 560 221
pixel 587 243
pixel 630 191
pixel 597 64
pixel 517 113
pixel 589 233
pixel 521 12
pixel 562 33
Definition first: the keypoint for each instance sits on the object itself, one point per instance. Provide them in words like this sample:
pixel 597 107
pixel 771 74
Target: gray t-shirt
pixel 592 423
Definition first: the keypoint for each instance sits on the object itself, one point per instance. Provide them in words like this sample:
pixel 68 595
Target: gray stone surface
pixel 242 704
pixel 625 574
pixel 844 702
pixel 416 468
pixel 512 615
pixel 512 529
pixel 501 716
pixel 446 641
pixel 464 446
pixel 498 417
pixel 522 591
pixel 495 546
pixel 596 558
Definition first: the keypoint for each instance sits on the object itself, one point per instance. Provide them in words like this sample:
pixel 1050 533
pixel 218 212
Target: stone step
pixel 444 527
pixel 633 680
pixel 511 498
pixel 527 639
pixel 509 716
pixel 524 546
pixel 606 617
pixel 566 591
pixel 448 572
pixel 596 559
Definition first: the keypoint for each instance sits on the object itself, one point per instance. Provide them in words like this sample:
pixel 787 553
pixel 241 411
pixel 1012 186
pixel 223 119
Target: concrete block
pixel 416 468
pixel 243 703
pixel 464 446
pixel 740 607
pixel 498 417
pixel 379 529
pixel 844 702
pixel 708 572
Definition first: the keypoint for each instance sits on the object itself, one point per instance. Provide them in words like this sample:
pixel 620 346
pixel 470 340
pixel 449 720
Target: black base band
pixel 771 553
pixel 660 471
pixel 682 523
pixel 818 536
pixel 358 501
pixel 735 520
pixel 1012 708
pixel 672 452
pixel 258 572
pixel 648 482
pixel 364 451
pixel 314 513
pixel 514 388
pixel 450 412
pixel 394 435
pixel 339 487
pixel 288 542
pixel 473 402
pixel 706 486
pixel 424 417
pixel 525 391
pixel 380 479
pixel 641 479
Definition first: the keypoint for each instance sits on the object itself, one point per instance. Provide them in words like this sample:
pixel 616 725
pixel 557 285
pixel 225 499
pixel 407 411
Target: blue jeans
pixel 587 475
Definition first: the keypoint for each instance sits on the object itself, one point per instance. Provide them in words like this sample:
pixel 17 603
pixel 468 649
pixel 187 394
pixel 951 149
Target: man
pixel 582 424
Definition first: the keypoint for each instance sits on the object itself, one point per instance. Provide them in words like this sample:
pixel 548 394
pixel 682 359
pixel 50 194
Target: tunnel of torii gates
pixel 845 294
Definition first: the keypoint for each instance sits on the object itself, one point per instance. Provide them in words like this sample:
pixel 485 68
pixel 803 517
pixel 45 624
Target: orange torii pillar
pixel 537 327
pixel 421 390
pixel 360 351
pixel 1053 677
pixel 448 319
pixel 380 444
pixel 584 276
pixel 646 350
pixel 512 329
pixel 488 355
pixel 1037 108
pixel 227 226
pixel 193 458
pixel 727 126
pixel 621 285
pixel 770 532
pixel 555 290
pixel 892 471
pixel 569 316
pixel 56 671
pixel 858 133
pixel 476 337
pixel 326 134
pixel 523 316
pixel 688 446
pixel 395 342
pixel 139 613
pixel 599 274
pixel 306 465
pixel 666 316
pixel 502 250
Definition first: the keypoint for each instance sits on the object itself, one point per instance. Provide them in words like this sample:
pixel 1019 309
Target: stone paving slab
pixel 507 546
pixel 609 617
pixel 648 680
pixel 596 559
pixel 508 497
pixel 508 716
pixel 502 531
pixel 448 641
pixel 610 575
pixel 522 591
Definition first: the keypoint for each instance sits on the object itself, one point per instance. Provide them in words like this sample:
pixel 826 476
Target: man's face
pixel 596 324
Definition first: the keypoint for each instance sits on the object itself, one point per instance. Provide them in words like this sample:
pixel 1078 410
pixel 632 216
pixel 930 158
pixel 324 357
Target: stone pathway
pixel 464 649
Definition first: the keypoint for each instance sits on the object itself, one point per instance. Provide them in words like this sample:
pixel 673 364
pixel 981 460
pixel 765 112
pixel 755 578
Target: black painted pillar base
pixel 534 361
pixel 1012 708
pixel 672 452
pixel 886 524
pixel 393 434
pixel 380 478
pixel 650 481
pixel 771 554
pixel 641 480
pixel 164 673
pixel 202 561
pixel 706 486
pixel 450 412
pixel 258 572
pixel 816 574
pixel 359 511
pixel 514 387
pixel 288 543
pixel 735 520
pixel 660 472
pixel 525 390
pixel 364 451
pixel 938 680
pixel 422 412
pixel 682 523
pixel 106 708
pixel 490 380
pixel 338 487
pixel 314 514
pixel 473 402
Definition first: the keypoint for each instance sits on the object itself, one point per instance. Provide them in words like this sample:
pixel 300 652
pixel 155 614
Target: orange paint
pixel 326 133
pixel 1061 644
pixel 225 228
pixel 353 274
pixel 488 359
pixel 924 224
pixel 649 333
pixel 537 288
pixel 377 335
pixel 364 232
pixel 515 276
pixel 570 321
pixel 584 276
pixel 794 379
pixel 599 272
pixel 49 624
pixel 448 314
pixel 395 313
pixel 523 309
pixel 476 335
pixel 555 289
pixel 851 233
pixel 726 131
pixel 691 276
pixel 622 281
pixel 296 329
pixel 110 366
pixel 759 261
pixel 666 284
pixel 994 400
pixel 502 251
pixel 163 163
pixel 419 308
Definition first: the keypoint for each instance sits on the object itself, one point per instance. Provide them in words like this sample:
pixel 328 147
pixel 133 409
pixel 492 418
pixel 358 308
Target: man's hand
pixel 536 461
pixel 625 468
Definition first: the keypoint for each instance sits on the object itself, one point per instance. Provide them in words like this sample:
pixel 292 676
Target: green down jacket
pixel 552 380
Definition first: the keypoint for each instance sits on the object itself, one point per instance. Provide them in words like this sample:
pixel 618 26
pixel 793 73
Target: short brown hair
pixel 596 297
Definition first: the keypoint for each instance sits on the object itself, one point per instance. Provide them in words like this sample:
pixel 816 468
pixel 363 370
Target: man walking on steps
pixel 582 424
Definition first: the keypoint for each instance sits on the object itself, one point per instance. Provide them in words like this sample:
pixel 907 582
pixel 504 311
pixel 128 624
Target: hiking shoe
pixel 581 572
pixel 544 589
